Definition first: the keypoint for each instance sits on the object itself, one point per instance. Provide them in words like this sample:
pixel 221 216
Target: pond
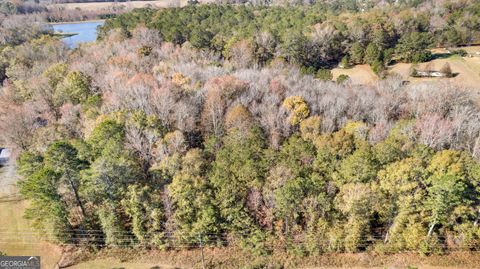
pixel 84 32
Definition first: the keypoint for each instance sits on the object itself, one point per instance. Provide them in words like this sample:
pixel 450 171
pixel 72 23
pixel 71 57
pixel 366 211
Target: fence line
pixel 173 241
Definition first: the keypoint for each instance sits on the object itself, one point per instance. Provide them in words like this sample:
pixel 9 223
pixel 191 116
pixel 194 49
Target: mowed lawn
pixel 468 69
pixel 16 232
pixel 359 74
pixel 394 261
pixel 16 240
pixel 114 263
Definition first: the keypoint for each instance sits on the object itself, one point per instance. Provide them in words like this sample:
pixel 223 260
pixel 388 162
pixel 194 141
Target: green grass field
pixel 15 239
pixel 468 69
pixel 13 228
pixel 112 263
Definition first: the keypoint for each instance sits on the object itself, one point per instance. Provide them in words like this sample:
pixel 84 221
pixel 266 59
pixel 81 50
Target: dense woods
pixel 316 36
pixel 157 136
pixel 54 11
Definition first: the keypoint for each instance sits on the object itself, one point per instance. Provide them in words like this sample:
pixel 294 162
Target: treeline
pixel 50 12
pixel 315 37
pixel 133 141
pixel 91 1
pixel 17 29
pixel 20 7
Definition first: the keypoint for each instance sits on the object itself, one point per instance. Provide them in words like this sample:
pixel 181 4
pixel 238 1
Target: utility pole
pixel 201 249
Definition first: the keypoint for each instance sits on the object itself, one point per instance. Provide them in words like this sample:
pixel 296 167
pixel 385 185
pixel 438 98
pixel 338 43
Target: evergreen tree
pixel 239 168
pixel 196 213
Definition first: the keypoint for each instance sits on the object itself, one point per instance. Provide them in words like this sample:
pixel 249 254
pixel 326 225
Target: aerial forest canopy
pixel 200 124
pixel 314 37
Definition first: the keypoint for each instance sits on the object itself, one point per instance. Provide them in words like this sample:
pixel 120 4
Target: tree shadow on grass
pixel 441 56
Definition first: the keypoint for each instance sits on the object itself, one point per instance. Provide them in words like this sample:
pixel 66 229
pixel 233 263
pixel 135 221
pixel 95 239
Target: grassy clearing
pixel 236 258
pixel 12 224
pixel 112 263
pixel 359 74
pixel 468 70
pixel 14 239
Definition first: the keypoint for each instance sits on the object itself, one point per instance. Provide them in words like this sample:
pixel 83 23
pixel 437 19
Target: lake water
pixel 85 32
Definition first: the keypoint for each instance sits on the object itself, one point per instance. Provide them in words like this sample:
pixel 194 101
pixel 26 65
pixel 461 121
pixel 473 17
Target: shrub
pixel 345 62
pixel 342 79
pixel 447 70
pixel 357 52
pixel 452 37
pixel 431 245
pixel 388 55
pixel 144 51
pixel 307 70
pixel 378 67
pixel 372 54
pixel 413 72
pixel 421 56
pixel 324 74
pixel 460 52
pixel 412 47
pixel 180 80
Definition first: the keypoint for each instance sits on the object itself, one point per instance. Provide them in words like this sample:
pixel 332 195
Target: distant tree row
pixel 54 12
pixel 314 37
